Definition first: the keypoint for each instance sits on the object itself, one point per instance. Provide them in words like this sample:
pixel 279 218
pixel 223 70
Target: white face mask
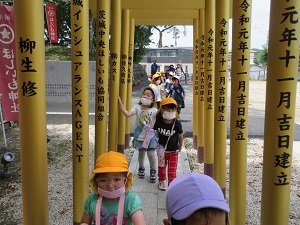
pixel 146 101
pixel 157 82
pixel 169 115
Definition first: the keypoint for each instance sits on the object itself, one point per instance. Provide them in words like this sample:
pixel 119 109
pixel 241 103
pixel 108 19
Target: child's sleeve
pixel 133 203
pixel 90 205
pixel 179 127
pixel 134 109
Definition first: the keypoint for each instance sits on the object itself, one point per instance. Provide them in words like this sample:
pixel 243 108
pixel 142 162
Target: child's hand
pixel 120 101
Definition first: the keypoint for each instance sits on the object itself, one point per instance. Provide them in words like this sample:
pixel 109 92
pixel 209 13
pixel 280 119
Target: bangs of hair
pixel 168 106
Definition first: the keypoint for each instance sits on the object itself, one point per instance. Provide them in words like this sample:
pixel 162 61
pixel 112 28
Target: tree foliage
pixel 141 37
pixel 63 22
pixel 261 58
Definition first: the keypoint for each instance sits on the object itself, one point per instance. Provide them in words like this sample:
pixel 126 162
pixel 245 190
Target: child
pixel 112 202
pixel 171 68
pixel 163 78
pixel 156 86
pixel 177 92
pixel 168 83
pixel 195 199
pixel 170 136
pixel 145 118
pixel 179 71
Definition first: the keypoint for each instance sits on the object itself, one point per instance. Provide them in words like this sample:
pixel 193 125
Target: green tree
pixel 141 39
pixel 142 36
pixel 261 58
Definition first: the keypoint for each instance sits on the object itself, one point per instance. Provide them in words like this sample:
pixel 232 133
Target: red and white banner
pixel 8 70
pixel 51 21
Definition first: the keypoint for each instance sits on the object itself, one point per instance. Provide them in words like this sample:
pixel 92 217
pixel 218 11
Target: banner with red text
pixel 51 21
pixel 8 70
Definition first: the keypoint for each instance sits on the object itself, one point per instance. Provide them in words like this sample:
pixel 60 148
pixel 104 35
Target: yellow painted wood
pixel 165 4
pixel 80 105
pixel 209 82
pixel 164 14
pixel 130 74
pixel 123 75
pixel 102 76
pixel 195 77
pixel 114 83
pixel 30 47
pixel 239 112
pixel 280 112
pixel 161 22
pixel 221 74
pixel 201 78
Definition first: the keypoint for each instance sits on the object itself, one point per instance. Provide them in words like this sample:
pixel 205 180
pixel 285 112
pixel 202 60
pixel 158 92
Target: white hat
pixel 177 77
pixel 171 73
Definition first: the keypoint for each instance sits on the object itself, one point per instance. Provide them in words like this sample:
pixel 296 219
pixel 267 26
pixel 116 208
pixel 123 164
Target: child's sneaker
pixel 141 173
pixel 162 185
pixel 152 176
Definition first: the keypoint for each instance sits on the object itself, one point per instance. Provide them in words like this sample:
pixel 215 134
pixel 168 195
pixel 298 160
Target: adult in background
pixel 154 68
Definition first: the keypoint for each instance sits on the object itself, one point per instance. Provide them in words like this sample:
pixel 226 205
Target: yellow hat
pixel 111 162
pixel 166 101
pixel 156 75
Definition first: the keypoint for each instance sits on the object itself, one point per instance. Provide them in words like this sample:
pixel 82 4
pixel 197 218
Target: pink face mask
pixel 112 194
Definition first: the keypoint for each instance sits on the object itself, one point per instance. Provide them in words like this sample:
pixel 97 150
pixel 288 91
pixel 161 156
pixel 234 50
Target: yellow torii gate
pixel 34 166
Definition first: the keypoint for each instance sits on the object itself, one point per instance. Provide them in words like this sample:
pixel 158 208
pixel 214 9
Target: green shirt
pixel 109 210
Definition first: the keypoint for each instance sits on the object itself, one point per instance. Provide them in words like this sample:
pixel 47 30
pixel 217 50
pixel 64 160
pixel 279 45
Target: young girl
pixel 112 202
pixel 170 137
pixel 145 119
pixel 157 87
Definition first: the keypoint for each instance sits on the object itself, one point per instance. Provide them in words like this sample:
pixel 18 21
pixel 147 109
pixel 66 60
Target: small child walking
pixel 168 84
pixel 157 87
pixel 177 92
pixel 170 137
pixel 112 202
pixel 145 118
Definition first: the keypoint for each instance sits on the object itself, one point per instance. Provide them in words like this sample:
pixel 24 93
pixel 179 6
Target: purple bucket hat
pixel 193 191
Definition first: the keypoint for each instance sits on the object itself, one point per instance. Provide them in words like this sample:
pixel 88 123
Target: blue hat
pixel 192 191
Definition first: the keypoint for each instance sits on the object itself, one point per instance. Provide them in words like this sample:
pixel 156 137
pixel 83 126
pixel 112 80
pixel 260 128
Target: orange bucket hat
pixel 156 75
pixel 167 101
pixel 111 162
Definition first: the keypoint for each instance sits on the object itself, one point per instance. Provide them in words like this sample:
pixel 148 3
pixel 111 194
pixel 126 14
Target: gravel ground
pixel 60 178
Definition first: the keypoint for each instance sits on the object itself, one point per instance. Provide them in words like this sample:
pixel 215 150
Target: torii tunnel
pixel 116 21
